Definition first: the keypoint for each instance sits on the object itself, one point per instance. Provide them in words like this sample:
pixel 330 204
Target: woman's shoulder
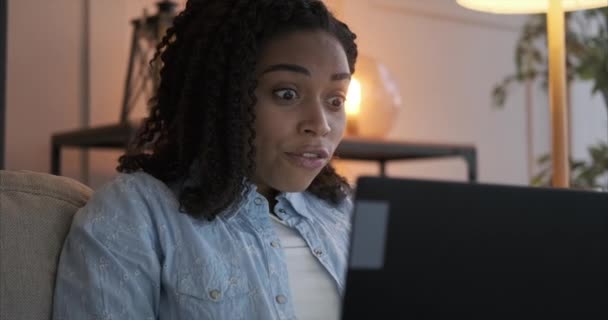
pixel 128 198
pixel 137 179
pixel 117 225
pixel 132 187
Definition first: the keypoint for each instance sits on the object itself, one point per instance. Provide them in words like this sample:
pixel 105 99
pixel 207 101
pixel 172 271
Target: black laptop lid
pixel 438 250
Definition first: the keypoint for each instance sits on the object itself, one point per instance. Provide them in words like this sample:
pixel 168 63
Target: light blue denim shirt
pixel 130 254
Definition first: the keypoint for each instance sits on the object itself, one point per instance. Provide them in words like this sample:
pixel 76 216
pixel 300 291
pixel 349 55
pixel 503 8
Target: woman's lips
pixel 306 162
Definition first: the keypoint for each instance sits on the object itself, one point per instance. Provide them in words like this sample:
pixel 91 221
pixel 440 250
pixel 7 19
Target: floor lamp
pixel 557 65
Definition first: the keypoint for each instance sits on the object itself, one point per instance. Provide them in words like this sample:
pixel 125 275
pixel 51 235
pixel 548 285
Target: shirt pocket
pixel 214 281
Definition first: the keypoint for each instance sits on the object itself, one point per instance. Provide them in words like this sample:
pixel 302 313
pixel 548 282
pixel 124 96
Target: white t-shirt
pixel 314 292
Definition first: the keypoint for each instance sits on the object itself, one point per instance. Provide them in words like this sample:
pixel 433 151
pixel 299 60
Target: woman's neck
pixel 270 195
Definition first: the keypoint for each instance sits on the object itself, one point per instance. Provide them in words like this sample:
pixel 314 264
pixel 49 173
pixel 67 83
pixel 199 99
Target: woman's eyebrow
pixel 287 67
pixel 340 76
pixel 299 69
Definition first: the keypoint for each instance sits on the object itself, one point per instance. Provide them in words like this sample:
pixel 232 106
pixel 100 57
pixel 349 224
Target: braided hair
pixel 202 115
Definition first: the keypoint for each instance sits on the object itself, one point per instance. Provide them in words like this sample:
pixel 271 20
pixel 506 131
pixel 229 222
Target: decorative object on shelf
pixel 373 100
pixel 143 78
pixel 555 10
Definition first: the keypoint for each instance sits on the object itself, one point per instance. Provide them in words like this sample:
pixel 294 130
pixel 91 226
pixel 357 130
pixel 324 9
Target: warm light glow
pixel 353 98
pixel 528 6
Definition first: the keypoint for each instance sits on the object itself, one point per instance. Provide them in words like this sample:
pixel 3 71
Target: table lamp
pixel 557 65
pixel 373 100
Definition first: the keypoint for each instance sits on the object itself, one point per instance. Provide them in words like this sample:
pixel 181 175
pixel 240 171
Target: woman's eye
pixel 286 94
pixel 336 102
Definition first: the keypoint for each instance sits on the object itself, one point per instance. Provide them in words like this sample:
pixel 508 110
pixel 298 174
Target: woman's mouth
pixel 308 160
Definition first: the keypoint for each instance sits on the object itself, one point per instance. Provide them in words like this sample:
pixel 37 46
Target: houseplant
pixel 586 59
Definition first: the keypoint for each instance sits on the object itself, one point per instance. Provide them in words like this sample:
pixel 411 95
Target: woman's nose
pixel 315 120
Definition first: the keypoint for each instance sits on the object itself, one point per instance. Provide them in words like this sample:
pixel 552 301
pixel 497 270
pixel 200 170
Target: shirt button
pixel 257 201
pixel 275 244
pixel 215 294
pixel 318 252
pixel 281 299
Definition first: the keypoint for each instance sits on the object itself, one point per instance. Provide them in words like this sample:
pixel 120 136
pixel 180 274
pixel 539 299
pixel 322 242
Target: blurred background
pixel 450 75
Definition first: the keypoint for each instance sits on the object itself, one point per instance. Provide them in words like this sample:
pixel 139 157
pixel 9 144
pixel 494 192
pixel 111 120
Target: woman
pixel 227 207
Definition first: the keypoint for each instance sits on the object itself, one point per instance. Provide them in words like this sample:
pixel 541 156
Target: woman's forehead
pixel 310 49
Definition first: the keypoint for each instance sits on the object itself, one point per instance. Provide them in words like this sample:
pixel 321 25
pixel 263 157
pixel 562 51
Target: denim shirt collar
pixel 297 200
pixel 248 194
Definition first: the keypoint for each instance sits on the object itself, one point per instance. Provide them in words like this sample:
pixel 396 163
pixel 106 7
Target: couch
pixel 36 211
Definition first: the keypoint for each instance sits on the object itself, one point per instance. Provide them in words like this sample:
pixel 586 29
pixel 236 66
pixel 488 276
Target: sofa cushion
pixel 36 212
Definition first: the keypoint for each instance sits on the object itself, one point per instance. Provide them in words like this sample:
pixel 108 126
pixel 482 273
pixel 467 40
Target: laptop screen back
pixel 437 250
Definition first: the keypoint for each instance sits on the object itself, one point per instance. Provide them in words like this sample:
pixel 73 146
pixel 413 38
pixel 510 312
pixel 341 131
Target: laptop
pixel 423 249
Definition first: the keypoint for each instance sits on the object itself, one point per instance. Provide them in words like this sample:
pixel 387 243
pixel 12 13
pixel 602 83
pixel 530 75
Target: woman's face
pixel 302 82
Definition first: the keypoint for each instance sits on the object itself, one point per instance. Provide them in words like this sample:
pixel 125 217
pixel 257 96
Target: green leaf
pixel 586 56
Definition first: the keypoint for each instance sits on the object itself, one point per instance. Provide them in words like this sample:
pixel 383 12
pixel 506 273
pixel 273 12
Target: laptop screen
pixel 435 250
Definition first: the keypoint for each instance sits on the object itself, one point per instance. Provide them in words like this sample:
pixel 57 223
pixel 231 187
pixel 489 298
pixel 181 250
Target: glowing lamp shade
pixel 373 100
pixel 528 6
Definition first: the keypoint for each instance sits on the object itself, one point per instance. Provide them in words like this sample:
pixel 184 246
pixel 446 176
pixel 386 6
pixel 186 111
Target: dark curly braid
pixel 199 133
